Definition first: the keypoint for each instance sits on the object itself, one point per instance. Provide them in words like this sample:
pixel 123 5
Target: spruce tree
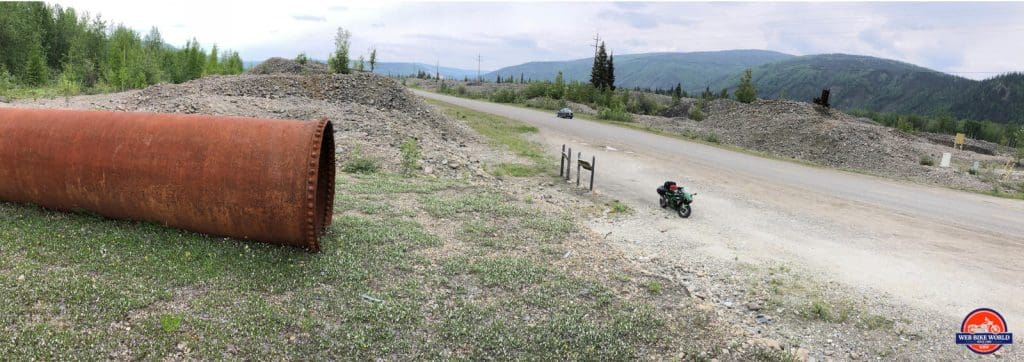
pixel 745 92
pixel 597 72
pixel 707 94
pixel 609 74
pixel 212 63
pixel 36 72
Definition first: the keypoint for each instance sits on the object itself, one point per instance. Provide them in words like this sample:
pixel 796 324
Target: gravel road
pixel 932 249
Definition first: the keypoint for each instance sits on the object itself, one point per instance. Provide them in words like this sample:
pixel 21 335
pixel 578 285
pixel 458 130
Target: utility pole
pixel 437 71
pixel 478 67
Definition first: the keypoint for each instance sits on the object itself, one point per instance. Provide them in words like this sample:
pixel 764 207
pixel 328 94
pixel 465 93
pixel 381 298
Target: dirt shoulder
pixel 838 277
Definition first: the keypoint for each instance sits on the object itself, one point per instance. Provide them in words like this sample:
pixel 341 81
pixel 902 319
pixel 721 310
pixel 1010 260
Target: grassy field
pixel 412 268
pixel 81 286
pixel 503 133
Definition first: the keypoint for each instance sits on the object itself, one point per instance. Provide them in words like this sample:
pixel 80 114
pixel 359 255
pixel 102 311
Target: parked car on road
pixel 565 113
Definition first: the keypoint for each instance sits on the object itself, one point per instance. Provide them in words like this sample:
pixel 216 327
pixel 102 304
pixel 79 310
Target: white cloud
pixel 954 37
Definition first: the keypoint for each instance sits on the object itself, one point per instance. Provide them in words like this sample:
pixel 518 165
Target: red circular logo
pixel 983 321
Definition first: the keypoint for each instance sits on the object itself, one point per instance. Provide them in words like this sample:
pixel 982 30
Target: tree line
pixel 46 46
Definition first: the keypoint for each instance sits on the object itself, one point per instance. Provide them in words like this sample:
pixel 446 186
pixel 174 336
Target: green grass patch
pixel 653 287
pixel 875 322
pixel 821 310
pixel 516 170
pixel 452 206
pixel 80 286
pixel 619 207
pixel 506 133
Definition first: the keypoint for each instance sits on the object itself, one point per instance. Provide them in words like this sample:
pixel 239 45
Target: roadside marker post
pixel 561 166
pixel 565 166
pixel 589 166
pixel 959 141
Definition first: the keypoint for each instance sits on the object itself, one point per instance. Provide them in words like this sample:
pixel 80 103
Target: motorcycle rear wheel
pixel 663 202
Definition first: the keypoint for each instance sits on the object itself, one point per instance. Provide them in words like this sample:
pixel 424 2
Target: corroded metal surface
pixel 258 179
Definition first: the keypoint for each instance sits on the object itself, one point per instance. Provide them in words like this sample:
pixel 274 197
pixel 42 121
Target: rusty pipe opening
pixel 324 203
pixel 257 179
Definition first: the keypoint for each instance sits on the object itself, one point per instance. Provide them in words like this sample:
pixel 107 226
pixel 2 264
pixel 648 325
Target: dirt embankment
pixel 372 113
pixel 832 138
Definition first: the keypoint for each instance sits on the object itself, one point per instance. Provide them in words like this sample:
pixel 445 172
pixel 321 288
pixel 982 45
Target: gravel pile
pixel 973 145
pixel 681 110
pixel 372 113
pixel 828 137
pixel 288 66
pixel 802 131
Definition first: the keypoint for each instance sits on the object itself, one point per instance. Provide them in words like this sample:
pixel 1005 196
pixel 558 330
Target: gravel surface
pixel 832 138
pixel 370 112
pixel 288 66
pixel 813 262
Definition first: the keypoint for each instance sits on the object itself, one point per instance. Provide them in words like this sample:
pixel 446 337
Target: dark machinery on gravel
pixel 675 197
pixel 565 113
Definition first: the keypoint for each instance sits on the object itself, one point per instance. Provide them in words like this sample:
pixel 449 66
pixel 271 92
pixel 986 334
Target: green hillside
pixel 652 70
pixel 880 85
pixel 884 85
pixel 998 99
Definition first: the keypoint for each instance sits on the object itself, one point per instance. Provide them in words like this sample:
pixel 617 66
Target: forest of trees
pixel 50 47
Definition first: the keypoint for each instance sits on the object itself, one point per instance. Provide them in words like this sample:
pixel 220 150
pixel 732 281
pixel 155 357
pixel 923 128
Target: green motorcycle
pixel 675 197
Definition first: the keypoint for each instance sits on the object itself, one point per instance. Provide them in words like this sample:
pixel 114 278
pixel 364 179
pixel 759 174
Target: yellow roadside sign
pixel 959 141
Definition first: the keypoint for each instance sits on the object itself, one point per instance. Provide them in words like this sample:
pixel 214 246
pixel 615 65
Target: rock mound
pixel 288 66
pixel 807 132
pixel 370 112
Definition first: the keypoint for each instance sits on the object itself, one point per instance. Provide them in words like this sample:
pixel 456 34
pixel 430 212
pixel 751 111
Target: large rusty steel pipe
pixel 246 178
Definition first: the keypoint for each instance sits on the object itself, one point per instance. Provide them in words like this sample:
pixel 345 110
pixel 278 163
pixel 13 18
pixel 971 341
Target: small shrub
pixel 410 156
pixel 653 287
pixel 302 59
pixel 546 103
pixel 618 207
pixel 359 164
pixel 170 323
pixel 696 113
pixel 712 138
pixel 927 161
pixel 820 310
pixel 504 96
pixel 617 112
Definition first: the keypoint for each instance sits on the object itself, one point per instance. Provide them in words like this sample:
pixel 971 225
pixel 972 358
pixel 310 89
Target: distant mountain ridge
pixel 857 82
pixel 401 69
pixel 652 70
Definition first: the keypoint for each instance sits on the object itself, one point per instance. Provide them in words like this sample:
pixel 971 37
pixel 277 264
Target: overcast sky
pixel 975 40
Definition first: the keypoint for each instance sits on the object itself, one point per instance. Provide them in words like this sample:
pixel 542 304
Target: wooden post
pixel 578 158
pixel 568 168
pixel 561 158
pixel 593 167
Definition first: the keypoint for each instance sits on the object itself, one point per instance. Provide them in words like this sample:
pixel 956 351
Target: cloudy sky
pixel 975 40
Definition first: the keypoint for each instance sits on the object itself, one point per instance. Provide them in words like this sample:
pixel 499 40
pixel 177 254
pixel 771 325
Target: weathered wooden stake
pixel 593 167
pixel 561 158
pixel 579 156
pixel 568 168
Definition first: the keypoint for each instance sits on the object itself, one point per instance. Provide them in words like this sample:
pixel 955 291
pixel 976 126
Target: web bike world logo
pixel 984 331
